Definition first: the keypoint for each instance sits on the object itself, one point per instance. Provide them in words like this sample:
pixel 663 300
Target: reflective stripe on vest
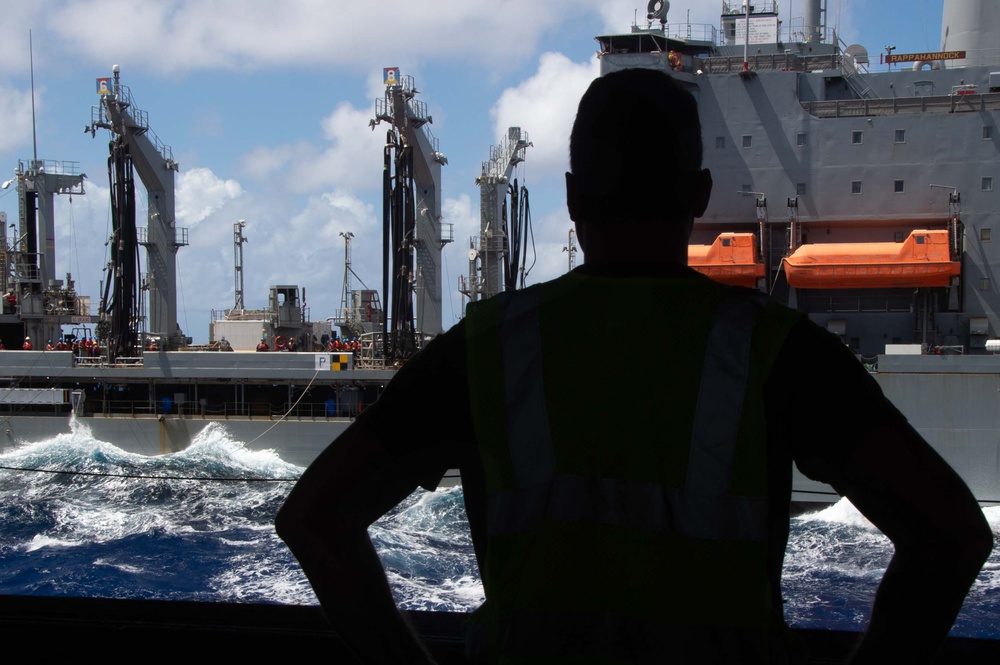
pixel 704 508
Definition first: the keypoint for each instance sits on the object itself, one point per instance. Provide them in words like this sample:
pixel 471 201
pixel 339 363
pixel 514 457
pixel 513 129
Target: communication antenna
pixel 345 301
pixel 31 63
pixel 238 240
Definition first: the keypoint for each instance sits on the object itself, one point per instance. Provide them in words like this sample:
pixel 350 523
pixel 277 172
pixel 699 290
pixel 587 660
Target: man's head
pixel 635 153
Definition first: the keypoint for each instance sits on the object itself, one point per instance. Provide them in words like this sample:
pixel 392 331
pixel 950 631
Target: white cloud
pixel 263 162
pixel 182 35
pixel 201 193
pixel 459 213
pixel 619 14
pixel 350 159
pixel 15 55
pixel 15 109
pixel 544 105
pixel 304 247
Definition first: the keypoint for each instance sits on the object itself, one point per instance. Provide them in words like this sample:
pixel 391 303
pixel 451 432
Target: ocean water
pixel 197 525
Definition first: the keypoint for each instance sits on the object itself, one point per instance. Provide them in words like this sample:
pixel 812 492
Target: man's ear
pixel 702 192
pixel 573 203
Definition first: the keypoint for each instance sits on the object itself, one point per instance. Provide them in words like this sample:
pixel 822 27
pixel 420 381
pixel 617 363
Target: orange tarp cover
pixel 923 259
pixel 731 259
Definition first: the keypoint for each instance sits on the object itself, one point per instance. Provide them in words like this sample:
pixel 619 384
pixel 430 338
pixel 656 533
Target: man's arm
pixel 940 535
pixel 325 523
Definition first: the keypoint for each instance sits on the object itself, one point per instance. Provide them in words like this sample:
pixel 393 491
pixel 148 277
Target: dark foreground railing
pixel 70 627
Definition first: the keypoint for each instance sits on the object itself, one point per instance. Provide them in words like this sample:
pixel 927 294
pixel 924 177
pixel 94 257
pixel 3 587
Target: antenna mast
pixel 31 62
pixel 238 240
pixel 345 300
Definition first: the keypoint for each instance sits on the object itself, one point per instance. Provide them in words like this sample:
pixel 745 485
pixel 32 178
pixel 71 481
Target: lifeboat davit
pixel 923 259
pixel 731 259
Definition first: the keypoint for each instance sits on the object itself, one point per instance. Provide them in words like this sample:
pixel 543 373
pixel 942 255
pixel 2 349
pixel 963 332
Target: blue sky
pixel 266 107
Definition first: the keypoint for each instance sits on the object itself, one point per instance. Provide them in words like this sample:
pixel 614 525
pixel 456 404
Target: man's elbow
pixel 980 542
pixel 287 522
pixel 295 521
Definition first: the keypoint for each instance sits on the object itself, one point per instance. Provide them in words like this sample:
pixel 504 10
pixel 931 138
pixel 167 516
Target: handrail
pixel 303 411
pixel 846 108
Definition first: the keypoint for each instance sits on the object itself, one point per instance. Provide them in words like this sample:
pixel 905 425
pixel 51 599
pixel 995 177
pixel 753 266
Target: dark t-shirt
pixel 820 402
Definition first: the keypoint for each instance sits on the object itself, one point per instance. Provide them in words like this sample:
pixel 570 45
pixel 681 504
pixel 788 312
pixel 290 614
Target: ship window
pixel 855 187
pixel 987 132
pixel 858 137
pixel 985 233
pixel 800 189
pixel 897 186
pixel 800 139
pixel 987 184
pixel 900 136
pixel 720 142
pixel 920 239
pixel 747 141
pixel 984 283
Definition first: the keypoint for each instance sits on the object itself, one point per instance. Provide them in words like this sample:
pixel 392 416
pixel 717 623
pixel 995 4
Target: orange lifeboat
pixel 731 259
pixel 923 259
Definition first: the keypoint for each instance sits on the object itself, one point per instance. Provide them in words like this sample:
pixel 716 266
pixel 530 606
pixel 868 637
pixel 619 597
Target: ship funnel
pixel 814 21
pixel 972 26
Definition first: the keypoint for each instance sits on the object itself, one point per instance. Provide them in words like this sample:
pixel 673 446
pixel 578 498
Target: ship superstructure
pixel 36 304
pixel 840 174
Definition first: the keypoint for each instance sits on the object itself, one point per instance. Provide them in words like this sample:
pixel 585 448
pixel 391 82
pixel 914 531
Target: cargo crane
pixel 135 146
pixel 498 253
pixel 413 234
pixel 36 304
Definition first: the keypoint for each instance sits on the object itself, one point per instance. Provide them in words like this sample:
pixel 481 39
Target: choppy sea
pixel 197 525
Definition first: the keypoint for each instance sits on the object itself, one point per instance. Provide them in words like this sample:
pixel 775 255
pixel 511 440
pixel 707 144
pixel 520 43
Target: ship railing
pixel 48 166
pixel 90 361
pixel 847 108
pixel 105 361
pixel 737 8
pixel 698 32
pixel 865 304
pixel 16 408
pixel 141 118
pixel 303 411
pixel 767 62
pixel 180 236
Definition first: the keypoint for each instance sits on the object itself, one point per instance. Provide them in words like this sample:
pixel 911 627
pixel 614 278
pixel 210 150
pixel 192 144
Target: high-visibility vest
pixel 626 483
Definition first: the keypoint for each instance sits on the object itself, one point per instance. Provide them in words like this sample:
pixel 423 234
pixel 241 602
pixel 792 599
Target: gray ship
pixel 863 198
pixel 128 372
pixel 866 199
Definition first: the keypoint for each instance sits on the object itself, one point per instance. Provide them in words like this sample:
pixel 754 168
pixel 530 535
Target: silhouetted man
pixel 635 511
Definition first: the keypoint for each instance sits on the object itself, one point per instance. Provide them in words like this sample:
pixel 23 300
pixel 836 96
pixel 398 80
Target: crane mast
pixel 492 259
pixel 135 145
pixel 238 241
pixel 413 234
